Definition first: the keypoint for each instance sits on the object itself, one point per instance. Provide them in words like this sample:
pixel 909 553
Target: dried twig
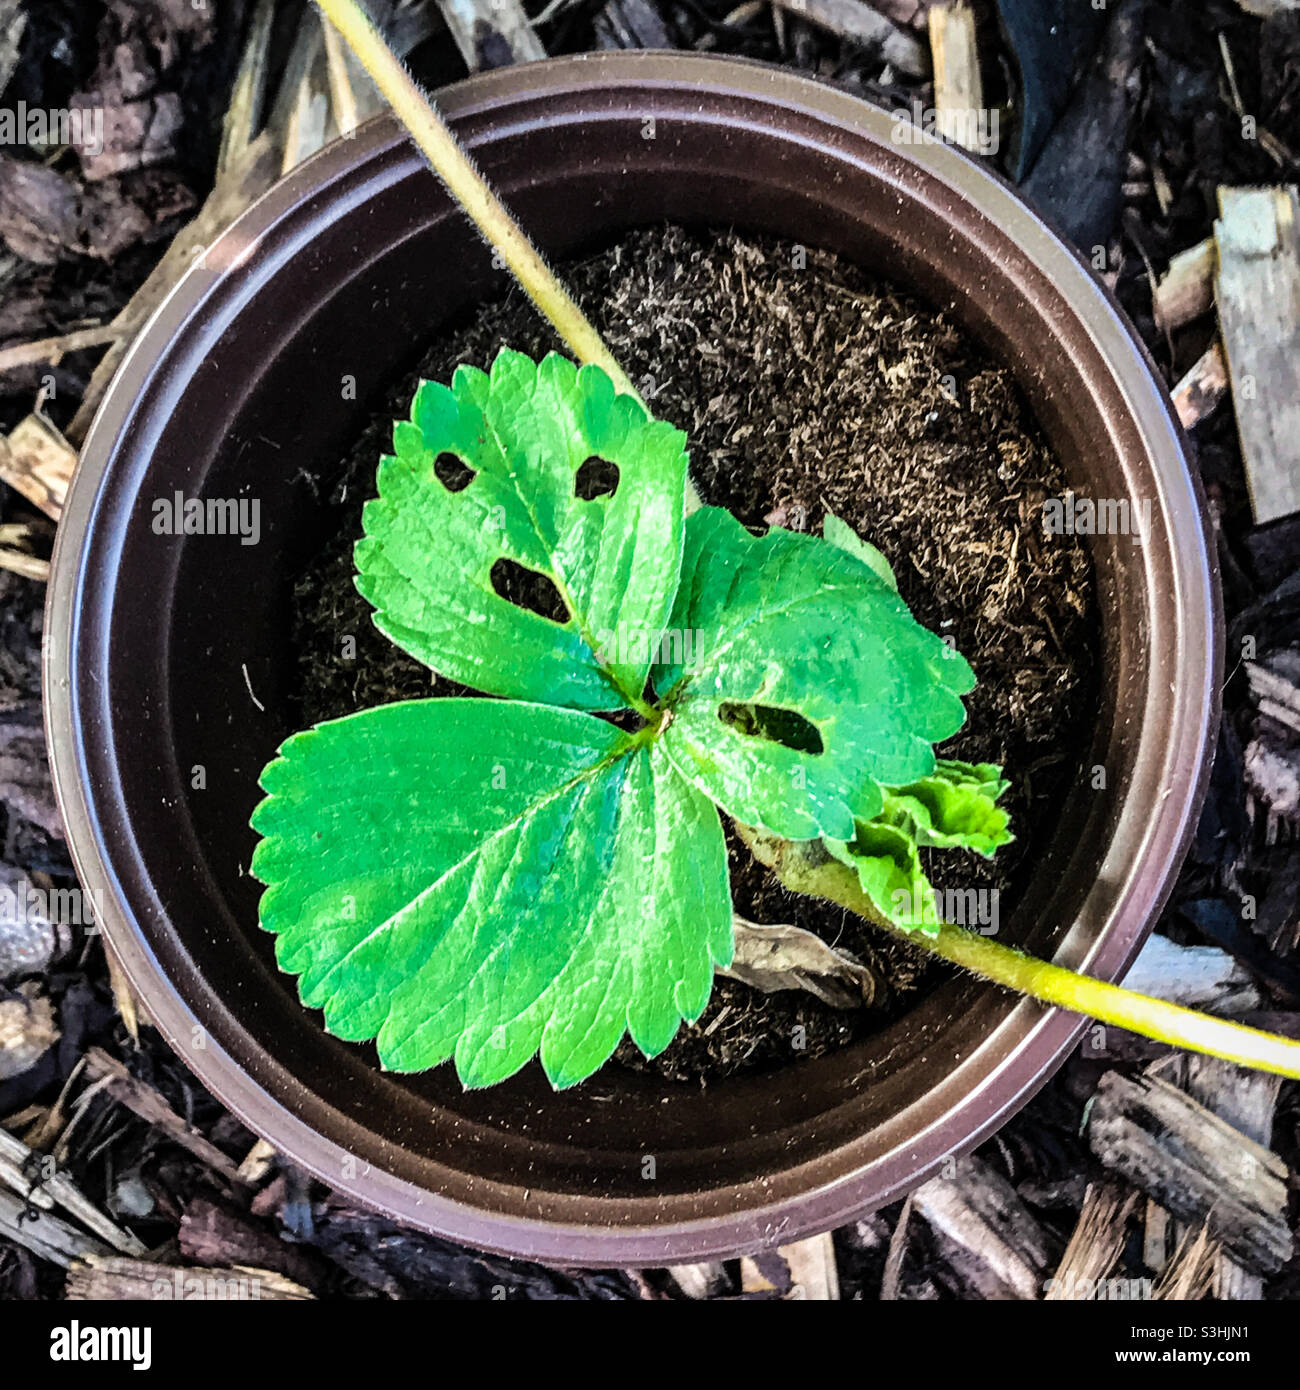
pixel 1190 1274
pixel 129 1008
pixel 45 1235
pixel 302 112
pixel 248 97
pixel 53 350
pixel 153 1108
pixel 105 1278
pixel 28 566
pixel 892 1278
pixel 20 1170
pixel 1095 1245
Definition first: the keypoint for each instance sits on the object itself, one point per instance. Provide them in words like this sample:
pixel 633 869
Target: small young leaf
pixel 525 433
pixel 787 622
pixel 888 865
pixel 842 534
pixel 954 808
pixel 554 883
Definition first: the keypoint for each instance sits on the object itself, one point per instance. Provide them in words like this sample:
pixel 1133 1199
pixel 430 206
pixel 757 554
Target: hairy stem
pixel 455 168
pixel 805 868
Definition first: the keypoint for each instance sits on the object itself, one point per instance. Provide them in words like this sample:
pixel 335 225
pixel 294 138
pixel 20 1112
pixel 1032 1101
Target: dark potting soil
pixel 803 386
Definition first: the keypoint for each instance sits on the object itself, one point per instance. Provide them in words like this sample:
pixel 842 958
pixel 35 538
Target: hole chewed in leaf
pixel 783 726
pixel 528 589
pixel 596 478
pixel 453 472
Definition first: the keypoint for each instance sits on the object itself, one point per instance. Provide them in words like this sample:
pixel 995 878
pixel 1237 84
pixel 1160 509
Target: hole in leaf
pixel 527 589
pixel 596 478
pixel 781 726
pixel 453 472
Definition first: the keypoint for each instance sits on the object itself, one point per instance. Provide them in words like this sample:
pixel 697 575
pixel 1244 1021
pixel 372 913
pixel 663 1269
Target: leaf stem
pixel 463 180
pixel 647 711
pixel 805 868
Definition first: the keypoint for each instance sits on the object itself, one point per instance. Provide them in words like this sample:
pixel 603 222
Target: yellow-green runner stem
pixel 805 868
pixel 455 168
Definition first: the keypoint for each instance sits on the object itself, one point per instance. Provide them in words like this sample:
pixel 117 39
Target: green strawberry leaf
pixel 842 534
pixel 556 883
pixel 786 629
pixel 431 549
pixel 957 808
pixel 953 808
pixel 888 865
pixel 487 880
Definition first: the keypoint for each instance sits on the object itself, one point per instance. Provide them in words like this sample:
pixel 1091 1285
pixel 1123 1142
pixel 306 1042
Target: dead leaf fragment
pixel 774 958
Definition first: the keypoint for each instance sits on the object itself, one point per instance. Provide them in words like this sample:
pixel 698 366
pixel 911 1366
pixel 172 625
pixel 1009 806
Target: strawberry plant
pixel 543 869
pixel 540 869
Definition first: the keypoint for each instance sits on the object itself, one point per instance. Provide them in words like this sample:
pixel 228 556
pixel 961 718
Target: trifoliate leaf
pixel 489 880
pixel 811 682
pixel 842 534
pixel 527 437
pixel 954 808
pixel 481 879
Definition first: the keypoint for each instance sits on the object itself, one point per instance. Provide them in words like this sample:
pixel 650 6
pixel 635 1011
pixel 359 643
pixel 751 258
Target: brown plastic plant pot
pixel 172 653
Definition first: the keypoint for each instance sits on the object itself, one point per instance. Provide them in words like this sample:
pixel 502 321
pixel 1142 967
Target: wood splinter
pixel 36 461
pixel 958 88
pixel 1258 293
pixel 1186 290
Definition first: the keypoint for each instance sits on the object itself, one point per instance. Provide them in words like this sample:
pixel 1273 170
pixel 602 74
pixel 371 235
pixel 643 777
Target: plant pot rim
pixel 1025 1047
